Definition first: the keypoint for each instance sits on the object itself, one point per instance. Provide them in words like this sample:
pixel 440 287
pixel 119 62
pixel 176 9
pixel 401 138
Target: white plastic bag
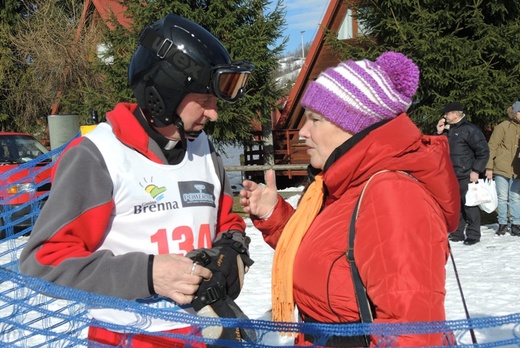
pixel 492 205
pixel 477 194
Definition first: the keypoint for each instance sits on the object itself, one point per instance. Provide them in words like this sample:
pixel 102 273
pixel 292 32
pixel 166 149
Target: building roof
pixel 318 59
pixel 107 9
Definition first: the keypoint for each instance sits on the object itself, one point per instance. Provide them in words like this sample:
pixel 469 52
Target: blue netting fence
pixel 36 313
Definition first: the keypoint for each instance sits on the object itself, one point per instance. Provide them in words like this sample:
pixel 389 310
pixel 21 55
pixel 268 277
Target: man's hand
pixel 489 174
pixel 173 277
pixel 228 260
pixel 228 256
pixel 473 176
pixel 441 125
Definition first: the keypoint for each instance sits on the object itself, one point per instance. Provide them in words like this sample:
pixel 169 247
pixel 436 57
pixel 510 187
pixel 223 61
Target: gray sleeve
pixel 63 245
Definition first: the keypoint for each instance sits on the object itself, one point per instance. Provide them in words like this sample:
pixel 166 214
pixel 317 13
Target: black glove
pixel 229 256
pixel 211 301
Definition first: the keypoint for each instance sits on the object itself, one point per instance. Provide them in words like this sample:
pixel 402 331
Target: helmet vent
pixel 154 102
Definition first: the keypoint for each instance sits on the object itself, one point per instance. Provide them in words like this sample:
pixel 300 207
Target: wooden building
pixel 285 150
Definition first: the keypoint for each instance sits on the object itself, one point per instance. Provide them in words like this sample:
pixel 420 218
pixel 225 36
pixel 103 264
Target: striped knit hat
pixel 357 94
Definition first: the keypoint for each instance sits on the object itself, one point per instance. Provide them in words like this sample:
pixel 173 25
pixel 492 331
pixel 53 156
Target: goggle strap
pixel 156 43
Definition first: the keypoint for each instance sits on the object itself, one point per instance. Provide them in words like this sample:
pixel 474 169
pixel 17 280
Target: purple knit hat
pixel 357 94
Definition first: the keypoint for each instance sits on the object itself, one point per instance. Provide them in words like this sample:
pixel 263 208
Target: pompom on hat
pixel 357 94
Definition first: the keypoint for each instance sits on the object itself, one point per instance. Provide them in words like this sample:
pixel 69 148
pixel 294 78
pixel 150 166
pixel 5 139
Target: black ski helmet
pixel 176 56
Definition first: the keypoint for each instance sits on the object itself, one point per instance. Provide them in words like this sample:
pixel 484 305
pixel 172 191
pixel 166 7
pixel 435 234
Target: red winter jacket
pixel 401 243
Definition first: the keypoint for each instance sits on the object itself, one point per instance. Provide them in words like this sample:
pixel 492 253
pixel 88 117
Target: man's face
pixel 194 110
pixel 517 115
pixel 453 117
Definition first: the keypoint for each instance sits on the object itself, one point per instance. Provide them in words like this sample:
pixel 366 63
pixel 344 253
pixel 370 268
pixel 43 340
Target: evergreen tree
pixel 467 51
pixel 48 56
pixel 10 13
pixel 247 30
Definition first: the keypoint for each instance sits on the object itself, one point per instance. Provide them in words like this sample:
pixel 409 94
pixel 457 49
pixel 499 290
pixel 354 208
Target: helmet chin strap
pixel 177 122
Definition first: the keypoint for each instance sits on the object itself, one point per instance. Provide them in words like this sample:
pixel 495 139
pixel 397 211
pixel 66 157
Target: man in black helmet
pixel 141 207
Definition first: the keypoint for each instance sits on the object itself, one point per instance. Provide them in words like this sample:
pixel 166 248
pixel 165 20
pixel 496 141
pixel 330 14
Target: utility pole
pixel 303 52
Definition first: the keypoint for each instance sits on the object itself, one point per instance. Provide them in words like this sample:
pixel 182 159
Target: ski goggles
pixel 228 82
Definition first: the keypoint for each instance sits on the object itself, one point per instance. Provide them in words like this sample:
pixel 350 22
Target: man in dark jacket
pixel 469 154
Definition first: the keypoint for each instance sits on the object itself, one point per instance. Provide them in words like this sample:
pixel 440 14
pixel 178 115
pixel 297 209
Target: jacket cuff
pixel 150 275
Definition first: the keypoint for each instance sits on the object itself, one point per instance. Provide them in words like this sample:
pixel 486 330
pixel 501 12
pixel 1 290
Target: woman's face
pixel 321 138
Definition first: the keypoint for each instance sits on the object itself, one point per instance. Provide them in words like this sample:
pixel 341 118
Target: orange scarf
pixel 288 244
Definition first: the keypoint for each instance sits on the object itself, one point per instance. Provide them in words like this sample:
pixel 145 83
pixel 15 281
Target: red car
pixel 24 182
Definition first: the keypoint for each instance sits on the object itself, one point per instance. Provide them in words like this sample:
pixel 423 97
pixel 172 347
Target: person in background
pixel 469 154
pixel 135 195
pixel 362 143
pixel 504 165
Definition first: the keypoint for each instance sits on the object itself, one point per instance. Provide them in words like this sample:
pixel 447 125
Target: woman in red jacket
pixel 361 142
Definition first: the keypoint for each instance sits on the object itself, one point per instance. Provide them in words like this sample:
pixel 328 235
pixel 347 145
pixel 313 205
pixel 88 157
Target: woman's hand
pixel 259 199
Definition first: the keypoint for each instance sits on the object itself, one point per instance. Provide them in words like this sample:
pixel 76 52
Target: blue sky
pixel 302 15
